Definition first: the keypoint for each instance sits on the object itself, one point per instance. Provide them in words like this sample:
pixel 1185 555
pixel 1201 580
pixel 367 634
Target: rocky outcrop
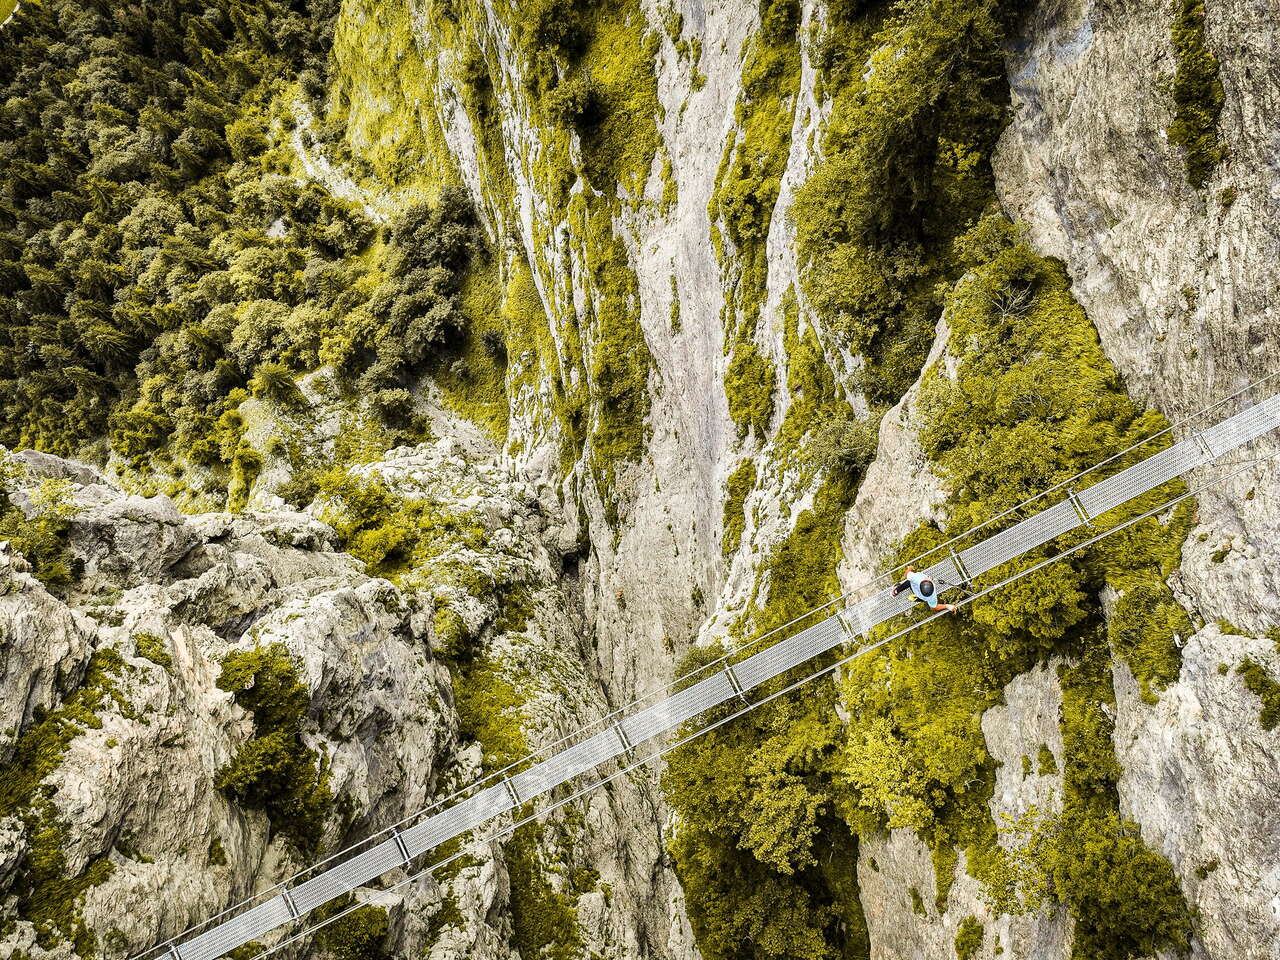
pixel 1181 285
pixel 168 597
pixel 1197 753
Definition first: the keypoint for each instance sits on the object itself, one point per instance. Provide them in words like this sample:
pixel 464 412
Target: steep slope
pixel 550 345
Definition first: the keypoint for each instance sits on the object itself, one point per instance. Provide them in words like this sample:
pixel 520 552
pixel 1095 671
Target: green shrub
pixel 1197 94
pixel 544 923
pixel 920 101
pixel 153 648
pixel 749 384
pixel 46 893
pixel 359 935
pixel 246 464
pixel 1263 687
pixel 275 772
pixel 969 938
pixel 741 482
pixel 274 381
pixel 572 101
pixel 42 539
pixel 843 443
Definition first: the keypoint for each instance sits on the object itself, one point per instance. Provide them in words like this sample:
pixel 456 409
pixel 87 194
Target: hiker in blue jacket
pixel 925 590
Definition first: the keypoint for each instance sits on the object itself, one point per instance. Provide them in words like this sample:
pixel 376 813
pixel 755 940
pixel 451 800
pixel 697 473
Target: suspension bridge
pixel 637 734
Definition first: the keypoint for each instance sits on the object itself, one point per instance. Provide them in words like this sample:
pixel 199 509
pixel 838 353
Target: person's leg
pixel 899 587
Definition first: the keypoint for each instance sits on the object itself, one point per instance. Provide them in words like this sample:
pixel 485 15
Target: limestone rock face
pixel 1203 779
pixel 45 649
pixel 167 597
pixel 1182 286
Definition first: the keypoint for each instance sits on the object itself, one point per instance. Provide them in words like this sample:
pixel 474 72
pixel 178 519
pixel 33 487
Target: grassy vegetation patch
pixel 544 922
pixel 42 538
pixel 1197 93
pixel 749 384
pixel 359 935
pixel 741 482
pixel 1264 688
pixel 749 181
pixel 919 100
pixel 968 938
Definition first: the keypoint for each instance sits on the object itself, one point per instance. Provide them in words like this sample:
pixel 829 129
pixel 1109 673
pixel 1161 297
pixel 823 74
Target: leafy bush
pixel 359 935
pixel 275 771
pixel 749 384
pixel 968 938
pixel 1262 686
pixel 42 539
pixel 844 443
pixel 920 103
pixel 741 483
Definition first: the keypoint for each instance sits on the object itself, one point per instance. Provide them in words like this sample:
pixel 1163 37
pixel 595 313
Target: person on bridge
pixel 924 589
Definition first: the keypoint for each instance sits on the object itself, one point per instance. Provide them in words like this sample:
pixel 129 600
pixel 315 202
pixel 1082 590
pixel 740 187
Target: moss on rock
pixel 1197 93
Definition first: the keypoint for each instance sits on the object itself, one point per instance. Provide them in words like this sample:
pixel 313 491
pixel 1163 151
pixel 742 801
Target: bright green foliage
pixel 620 359
pixel 1045 762
pixel 42 539
pixel 800 571
pixel 153 648
pixel 47 895
pixel 1263 687
pixel 755 156
pixel 767 871
pixel 817 400
pixel 380 90
pixel 592 68
pixel 1197 93
pixel 843 443
pixel 543 920
pixel 275 771
pixel 390 533
pixel 767 868
pixel 741 483
pixel 246 464
pixel 1033 400
pixel 134 192
pixel 186 262
pixel 749 384
pixel 1144 628
pixel 39 750
pixel 273 381
pixel 472 376
pixel 1124 897
pixel 968 938
pixel 359 935
pixel 619 128
pixel 490 712
pixel 905 169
